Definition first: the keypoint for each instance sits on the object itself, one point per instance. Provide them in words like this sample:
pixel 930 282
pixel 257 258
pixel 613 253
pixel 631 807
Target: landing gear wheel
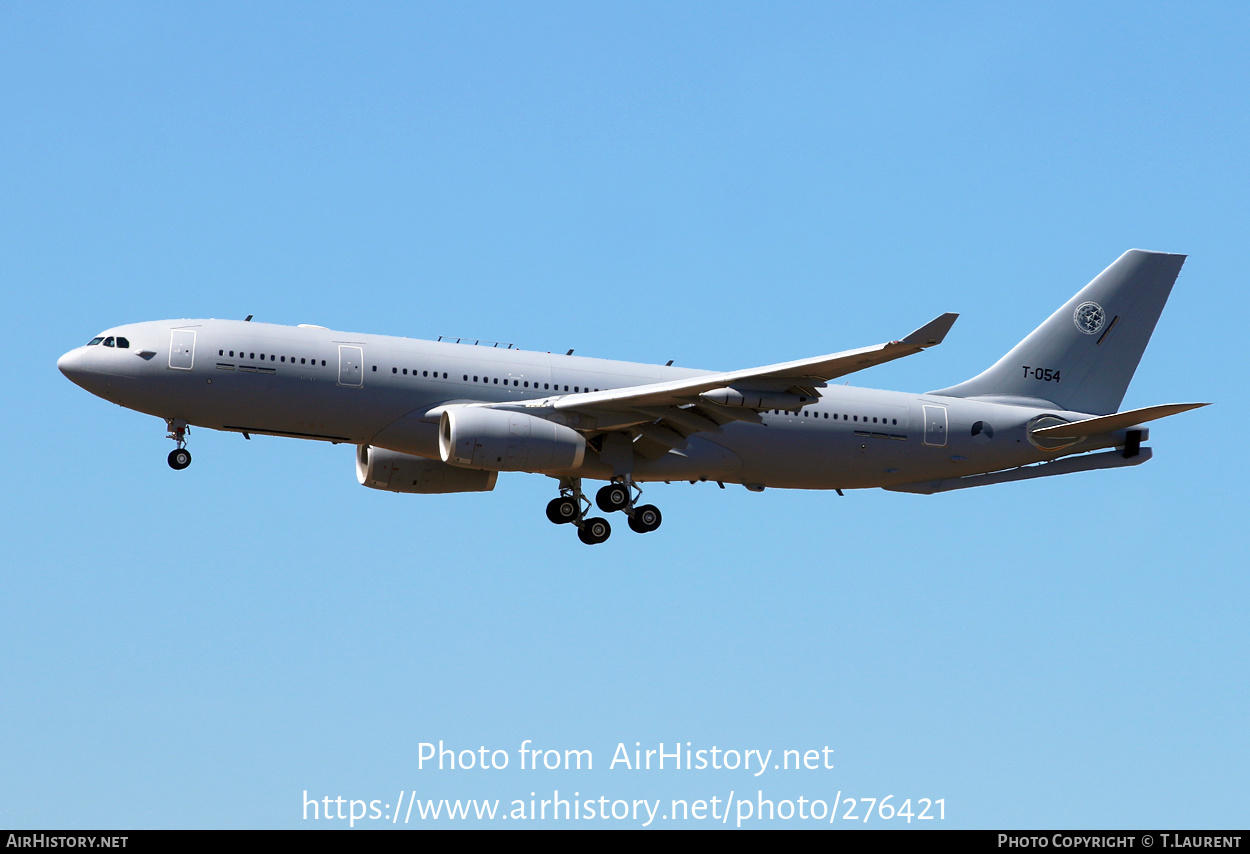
pixel 594 531
pixel 645 519
pixel 179 459
pixel 613 497
pixel 559 510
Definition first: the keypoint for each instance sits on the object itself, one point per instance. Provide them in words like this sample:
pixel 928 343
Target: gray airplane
pixel 439 416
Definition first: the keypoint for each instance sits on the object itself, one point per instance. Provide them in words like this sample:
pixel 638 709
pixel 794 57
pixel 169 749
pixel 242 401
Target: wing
pixel 663 414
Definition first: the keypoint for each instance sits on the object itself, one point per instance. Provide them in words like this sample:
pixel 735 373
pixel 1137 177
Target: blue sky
pixel 725 185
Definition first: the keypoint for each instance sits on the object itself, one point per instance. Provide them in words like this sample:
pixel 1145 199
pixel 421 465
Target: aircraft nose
pixel 71 364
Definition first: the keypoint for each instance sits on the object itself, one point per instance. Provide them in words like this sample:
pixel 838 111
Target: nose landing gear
pixel 180 457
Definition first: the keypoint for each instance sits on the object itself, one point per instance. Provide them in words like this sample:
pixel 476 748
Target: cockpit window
pixel 123 343
pixel 108 342
pixel 94 341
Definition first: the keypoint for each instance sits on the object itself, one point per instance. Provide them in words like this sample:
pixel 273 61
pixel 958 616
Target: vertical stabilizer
pixel 1083 357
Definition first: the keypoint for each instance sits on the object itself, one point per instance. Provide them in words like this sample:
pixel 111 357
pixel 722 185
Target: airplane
pixel 445 416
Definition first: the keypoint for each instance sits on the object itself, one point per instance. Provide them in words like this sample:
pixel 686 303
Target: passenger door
pixel 351 362
pixel 182 349
pixel 935 426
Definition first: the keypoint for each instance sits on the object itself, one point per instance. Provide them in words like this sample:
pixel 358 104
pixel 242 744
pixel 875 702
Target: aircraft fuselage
pixel 316 383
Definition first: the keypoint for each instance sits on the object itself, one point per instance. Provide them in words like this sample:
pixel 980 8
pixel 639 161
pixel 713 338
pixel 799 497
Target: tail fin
pixel 1083 357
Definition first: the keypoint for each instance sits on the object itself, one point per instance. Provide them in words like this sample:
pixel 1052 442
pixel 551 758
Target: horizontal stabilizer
pixel 1067 465
pixel 1112 423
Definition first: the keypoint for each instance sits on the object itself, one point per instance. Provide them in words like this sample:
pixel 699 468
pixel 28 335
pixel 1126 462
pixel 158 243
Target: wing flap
pixel 687 419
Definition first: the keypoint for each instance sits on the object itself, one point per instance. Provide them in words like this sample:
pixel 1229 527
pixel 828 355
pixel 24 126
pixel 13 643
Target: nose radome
pixel 70 363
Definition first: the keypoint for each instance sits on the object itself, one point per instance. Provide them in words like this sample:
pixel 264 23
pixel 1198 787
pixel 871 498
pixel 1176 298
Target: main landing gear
pixel 180 457
pixel 618 496
pixel 568 508
pixel 572 505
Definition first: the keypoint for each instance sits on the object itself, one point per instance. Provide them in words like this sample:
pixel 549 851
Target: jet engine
pixel 495 439
pixel 377 468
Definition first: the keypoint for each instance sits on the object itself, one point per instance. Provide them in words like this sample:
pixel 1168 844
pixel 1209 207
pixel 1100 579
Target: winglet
pixel 932 333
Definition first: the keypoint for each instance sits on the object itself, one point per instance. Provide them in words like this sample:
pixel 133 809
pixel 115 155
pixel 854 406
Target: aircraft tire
pixel 594 531
pixel 179 459
pixel 612 497
pixel 559 510
pixel 645 519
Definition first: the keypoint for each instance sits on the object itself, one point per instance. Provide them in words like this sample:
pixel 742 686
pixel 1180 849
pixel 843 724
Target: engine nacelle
pixel 481 438
pixel 377 468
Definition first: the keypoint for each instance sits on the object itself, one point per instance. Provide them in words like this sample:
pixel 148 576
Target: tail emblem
pixel 1089 317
